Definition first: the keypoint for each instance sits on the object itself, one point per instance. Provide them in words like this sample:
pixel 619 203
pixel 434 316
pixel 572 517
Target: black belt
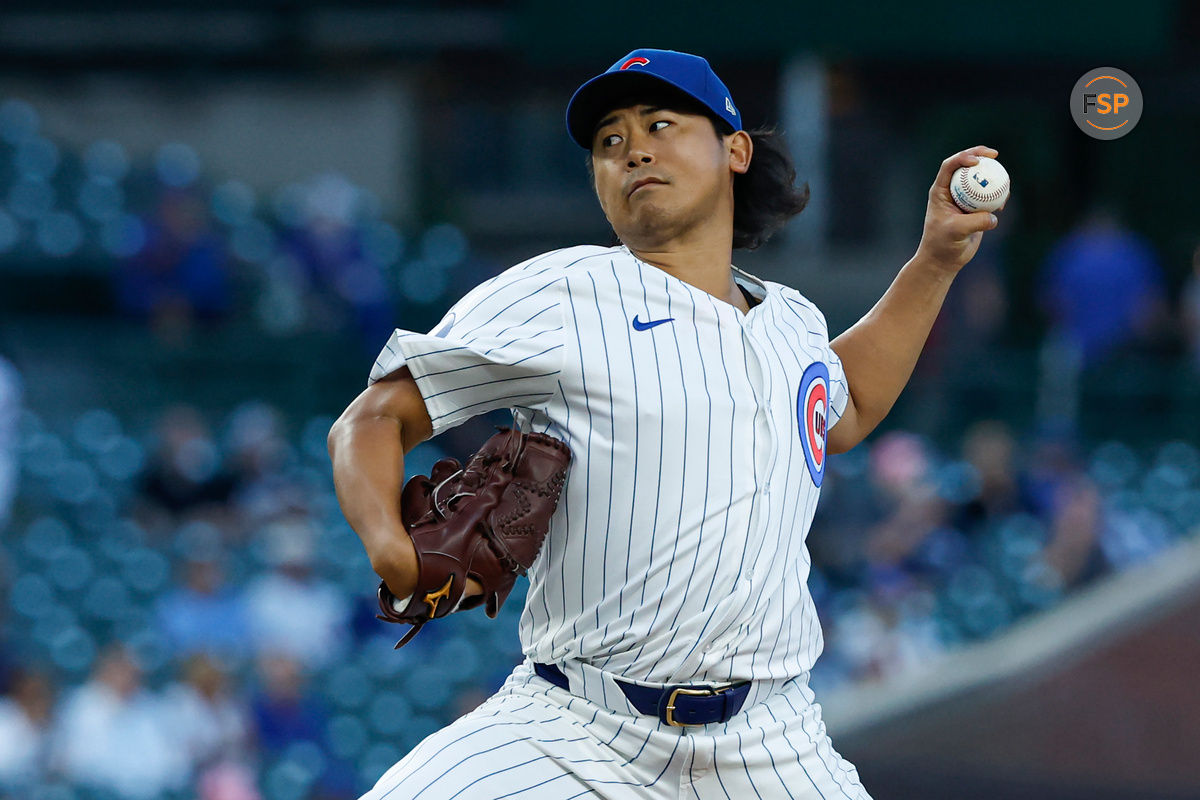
pixel 674 705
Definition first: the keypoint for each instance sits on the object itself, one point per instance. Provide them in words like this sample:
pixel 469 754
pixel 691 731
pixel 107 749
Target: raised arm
pixel 880 351
pixel 367 446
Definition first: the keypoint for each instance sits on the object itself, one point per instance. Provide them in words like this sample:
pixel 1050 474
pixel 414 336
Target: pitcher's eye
pixel 658 125
pixel 610 140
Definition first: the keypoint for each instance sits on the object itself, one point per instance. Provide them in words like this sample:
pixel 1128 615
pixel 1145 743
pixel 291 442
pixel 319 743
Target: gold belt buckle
pixel 678 690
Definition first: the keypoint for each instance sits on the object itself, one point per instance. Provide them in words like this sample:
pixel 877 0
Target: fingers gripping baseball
pixel 951 236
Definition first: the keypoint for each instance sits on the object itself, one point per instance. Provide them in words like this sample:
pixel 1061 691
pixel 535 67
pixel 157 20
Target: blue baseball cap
pixel 683 72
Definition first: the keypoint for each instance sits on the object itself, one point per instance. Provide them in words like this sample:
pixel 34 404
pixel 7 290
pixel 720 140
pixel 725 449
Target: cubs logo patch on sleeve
pixel 812 411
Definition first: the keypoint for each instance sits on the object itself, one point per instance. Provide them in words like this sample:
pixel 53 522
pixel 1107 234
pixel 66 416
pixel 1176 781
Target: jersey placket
pixel 760 513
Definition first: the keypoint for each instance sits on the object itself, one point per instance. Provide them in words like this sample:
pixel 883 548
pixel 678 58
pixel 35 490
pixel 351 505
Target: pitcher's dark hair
pixel 765 197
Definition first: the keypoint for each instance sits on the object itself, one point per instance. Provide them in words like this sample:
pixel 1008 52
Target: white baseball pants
pixel 534 740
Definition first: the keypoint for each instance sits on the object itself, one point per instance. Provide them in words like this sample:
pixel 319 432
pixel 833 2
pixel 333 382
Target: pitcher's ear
pixel 741 150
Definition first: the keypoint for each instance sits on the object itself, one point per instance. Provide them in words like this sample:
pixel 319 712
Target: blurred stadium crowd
pixel 188 615
pixel 177 250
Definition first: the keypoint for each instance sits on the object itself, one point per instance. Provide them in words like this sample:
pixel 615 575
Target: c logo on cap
pixel 638 60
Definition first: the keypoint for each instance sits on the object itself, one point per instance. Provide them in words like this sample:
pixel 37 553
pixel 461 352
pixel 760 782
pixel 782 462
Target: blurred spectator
pixel 980 301
pixel 990 450
pixel 114 735
pixel 179 276
pixel 901 473
pixel 967 331
pixel 1190 310
pixel 291 721
pixel 10 411
pixel 203 614
pixel 881 623
pixel 1072 551
pixel 847 512
pixel 24 729
pixel 346 286
pixel 884 635
pixel 285 710
pixel 258 457
pixel 1053 466
pixel 227 780
pixel 291 610
pixel 210 725
pixel 1103 287
pixel 184 474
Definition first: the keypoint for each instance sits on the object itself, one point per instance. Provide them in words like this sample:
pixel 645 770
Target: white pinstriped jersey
pixel 677 552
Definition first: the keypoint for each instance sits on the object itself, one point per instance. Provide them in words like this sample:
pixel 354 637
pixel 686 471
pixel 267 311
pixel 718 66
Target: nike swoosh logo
pixel 638 325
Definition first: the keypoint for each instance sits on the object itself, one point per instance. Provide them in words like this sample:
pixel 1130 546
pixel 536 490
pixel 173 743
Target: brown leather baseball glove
pixel 486 520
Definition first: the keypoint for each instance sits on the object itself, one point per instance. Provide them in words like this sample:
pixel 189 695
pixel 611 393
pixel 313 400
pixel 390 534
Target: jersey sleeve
pixel 839 390
pixel 501 346
pixel 816 330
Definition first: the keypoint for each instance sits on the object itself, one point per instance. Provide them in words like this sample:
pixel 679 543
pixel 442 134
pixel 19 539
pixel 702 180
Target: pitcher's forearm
pixel 368 474
pixel 880 351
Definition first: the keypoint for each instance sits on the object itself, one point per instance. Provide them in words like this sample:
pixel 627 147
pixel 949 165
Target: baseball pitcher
pixel 672 420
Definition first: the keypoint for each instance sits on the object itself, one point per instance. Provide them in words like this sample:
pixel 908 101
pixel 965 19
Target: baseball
pixel 982 187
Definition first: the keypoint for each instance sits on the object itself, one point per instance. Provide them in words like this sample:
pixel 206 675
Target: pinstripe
pixel 460 762
pixel 464 334
pixel 809 497
pixel 527 788
pixel 707 460
pixel 704 505
pixel 641 749
pixel 800 717
pixel 525 339
pixel 489 383
pixel 774 768
pixel 587 495
pixel 440 372
pixel 661 436
pixel 717 772
pixel 725 516
pixel 539 259
pixel 667 763
pixel 763 601
pixel 537 759
pixel 637 439
pixel 746 767
pixel 683 461
pixel 620 728
pixel 682 496
pixel 535 355
pixel 741 561
pixel 799 760
pixel 525 322
pixel 562 573
pixel 788 496
pixel 612 437
pixel 493 401
pixel 840 763
pixel 428 353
